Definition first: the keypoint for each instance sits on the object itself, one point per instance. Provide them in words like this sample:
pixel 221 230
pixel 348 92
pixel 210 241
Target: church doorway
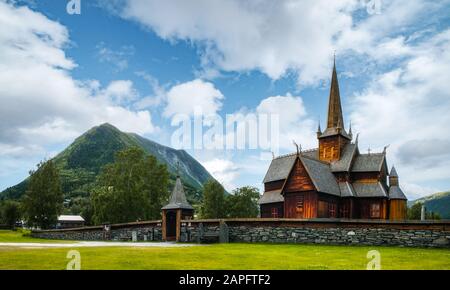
pixel 171 225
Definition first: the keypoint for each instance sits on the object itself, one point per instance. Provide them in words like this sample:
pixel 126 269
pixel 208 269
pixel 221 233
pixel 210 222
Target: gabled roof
pixel 369 189
pixel 346 189
pixel 372 162
pixel 281 166
pixel 321 175
pixel 178 198
pixel 395 192
pixel 271 197
pixel 345 163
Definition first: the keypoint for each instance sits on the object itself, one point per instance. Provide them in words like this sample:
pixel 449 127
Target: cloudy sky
pixel 138 64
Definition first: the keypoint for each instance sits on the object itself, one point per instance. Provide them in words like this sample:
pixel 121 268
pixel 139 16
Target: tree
pixel 133 187
pixel 43 200
pixel 10 213
pixel 213 205
pixel 243 203
pixel 415 212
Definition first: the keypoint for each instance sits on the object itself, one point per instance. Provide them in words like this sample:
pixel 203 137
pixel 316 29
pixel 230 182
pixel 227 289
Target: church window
pixel 332 210
pixel 375 210
pixel 274 212
pixel 300 204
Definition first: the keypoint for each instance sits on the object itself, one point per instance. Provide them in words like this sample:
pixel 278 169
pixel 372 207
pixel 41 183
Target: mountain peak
pixel 81 162
pixel 106 126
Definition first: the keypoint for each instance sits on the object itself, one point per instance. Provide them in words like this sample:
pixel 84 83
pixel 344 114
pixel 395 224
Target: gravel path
pixel 94 244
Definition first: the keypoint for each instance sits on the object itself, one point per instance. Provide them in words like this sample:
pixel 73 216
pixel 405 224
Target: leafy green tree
pixel 43 200
pixel 133 187
pixel 10 213
pixel 243 203
pixel 214 204
pixel 415 212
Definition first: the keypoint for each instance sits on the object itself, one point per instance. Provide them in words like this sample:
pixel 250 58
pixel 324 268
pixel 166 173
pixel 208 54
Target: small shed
pixel 70 221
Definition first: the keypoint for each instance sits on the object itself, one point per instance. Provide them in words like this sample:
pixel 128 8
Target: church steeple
pixel 334 138
pixel 334 102
pixel 335 119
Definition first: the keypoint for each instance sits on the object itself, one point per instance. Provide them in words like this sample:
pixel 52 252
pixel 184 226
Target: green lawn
pixel 228 256
pixel 21 236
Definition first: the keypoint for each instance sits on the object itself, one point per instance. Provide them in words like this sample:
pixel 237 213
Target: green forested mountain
pixel 437 203
pixel 80 163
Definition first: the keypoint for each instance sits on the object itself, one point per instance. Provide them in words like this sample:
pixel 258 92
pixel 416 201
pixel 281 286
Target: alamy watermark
pixel 372 6
pixel 75 260
pixel 252 131
pixel 375 260
pixel 74 7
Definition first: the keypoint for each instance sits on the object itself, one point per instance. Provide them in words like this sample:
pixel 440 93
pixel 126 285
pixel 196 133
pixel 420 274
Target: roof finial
pixel 319 129
pixel 369 150
pixel 385 148
pixel 298 149
pixel 273 155
pixel 350 130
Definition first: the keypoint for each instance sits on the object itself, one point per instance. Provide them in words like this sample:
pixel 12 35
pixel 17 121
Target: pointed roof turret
pixel 395 192
pixel 335 120
pixel 178 198
pixel 393 172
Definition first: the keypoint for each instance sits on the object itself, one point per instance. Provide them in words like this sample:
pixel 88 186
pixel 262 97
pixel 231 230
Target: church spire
pixel 334 103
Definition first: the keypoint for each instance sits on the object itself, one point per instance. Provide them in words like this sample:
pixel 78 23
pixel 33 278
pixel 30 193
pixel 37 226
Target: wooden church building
pixel 335 180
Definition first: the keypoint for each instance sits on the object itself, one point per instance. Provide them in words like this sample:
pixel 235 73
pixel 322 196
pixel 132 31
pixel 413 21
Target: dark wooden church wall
pixel 272 210
pixel 274 185
pixel 372 208
pixel 397 209
pixel 346 208
pixel 298 179
pixel 300 204
pixel 330 148
pixel 365 177
pixel 327 206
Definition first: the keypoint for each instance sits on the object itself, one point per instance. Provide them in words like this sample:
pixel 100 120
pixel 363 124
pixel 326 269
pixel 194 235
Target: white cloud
pixel 295 124
pixel 276 37
pixel 116 57
pixel 185 98
pixel 408 108
pixel 120 91
pixel 225 171
pixel 41 104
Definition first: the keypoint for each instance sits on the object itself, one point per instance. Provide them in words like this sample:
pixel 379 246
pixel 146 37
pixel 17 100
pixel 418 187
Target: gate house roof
pixel 178 198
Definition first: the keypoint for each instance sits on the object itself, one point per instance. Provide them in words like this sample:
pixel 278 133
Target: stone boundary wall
pixel 144 231
pixel 320 231
pixel 259 230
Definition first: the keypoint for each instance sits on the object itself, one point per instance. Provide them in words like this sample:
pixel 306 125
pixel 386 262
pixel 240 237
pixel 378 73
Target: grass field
pixel 21 236
pixel 227 256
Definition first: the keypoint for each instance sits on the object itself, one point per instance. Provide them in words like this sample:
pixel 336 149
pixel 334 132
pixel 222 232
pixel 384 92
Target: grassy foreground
pixel 227 256
pixel 22 236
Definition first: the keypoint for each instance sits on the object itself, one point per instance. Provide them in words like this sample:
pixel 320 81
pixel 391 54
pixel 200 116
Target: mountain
pixel 81 162
pixel 438 203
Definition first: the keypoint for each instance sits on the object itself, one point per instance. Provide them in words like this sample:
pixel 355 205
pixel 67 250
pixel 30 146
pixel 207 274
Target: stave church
pixel 334 180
